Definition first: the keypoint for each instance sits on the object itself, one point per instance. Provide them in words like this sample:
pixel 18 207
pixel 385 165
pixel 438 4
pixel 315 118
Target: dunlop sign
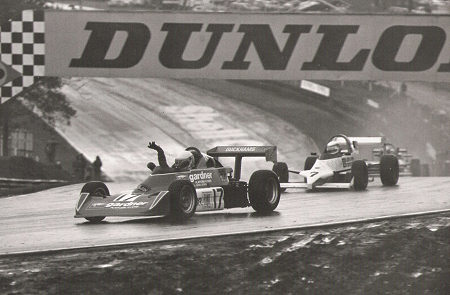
pixel 248 46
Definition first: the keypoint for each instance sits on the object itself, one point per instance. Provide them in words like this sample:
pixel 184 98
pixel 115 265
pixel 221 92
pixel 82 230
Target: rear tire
pixel 415 167
pixel 264 191
pixel 96 189
pixel 389 170
pixel 183 199
pixel 360 174
pixel 282 171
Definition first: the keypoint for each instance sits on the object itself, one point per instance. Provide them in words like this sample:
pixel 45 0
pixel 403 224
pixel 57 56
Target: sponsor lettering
pixel 95 205
pixel 347 162
pixel 200 176
pixel 262 38
pixel 427 53
pixel 330 49
pixel 102 34
pixel 125 205
pixel 251 46
pixel 241 149
pixel 178 35
pixel 206 200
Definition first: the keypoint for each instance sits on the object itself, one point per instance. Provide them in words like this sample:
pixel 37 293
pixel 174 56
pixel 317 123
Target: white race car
pixel 340 166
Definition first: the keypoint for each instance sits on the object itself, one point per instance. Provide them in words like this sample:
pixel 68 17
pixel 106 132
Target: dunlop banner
pixel 247 46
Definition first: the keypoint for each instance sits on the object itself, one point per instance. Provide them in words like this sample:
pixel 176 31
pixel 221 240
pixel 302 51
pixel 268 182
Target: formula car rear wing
pixel 366 145
pixel 238 152
pixel 269 152
pixel 369 140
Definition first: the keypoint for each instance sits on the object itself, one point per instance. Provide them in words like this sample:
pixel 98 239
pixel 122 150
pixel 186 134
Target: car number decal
pixel 347 161
pixel 126 198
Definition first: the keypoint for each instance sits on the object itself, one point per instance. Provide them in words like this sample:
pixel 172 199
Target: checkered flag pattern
pixel 22 46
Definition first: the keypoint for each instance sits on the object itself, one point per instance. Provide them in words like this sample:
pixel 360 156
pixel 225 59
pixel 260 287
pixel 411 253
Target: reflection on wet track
pixel 44 220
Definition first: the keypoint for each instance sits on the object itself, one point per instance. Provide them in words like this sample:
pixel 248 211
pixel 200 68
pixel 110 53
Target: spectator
pixel 403 88
pixel 50 150
pixel 97 168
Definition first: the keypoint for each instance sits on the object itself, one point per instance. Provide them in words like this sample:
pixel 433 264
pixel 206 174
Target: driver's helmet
pixel 390 149
pixel 333 148
pixel 184 161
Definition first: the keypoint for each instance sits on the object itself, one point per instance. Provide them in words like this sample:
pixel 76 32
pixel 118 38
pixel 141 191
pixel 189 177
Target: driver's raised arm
pixel 161 156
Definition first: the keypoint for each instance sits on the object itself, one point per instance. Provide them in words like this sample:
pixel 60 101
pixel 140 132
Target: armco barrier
pixel 14 183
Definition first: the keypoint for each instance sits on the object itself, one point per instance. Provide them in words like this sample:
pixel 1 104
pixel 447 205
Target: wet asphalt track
pixel 44 220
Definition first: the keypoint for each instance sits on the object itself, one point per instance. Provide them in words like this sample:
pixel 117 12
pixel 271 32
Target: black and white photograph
pixel 225 147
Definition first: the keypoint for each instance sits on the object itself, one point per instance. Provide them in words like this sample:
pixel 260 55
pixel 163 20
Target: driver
pixel 184 161
pixel 191 158
pixel 333 148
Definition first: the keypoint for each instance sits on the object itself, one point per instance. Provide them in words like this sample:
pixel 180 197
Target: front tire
pixel 264 191
pixel 183 199
pixel 282 171
pixel 96 189
pixel 95 219
pixel 360 174
pixel 389 170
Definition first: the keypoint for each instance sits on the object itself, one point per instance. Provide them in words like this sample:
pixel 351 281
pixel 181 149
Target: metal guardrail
pixel 11 183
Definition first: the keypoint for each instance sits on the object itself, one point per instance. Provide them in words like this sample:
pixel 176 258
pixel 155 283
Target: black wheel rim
pixel 187 199
pixel 100 192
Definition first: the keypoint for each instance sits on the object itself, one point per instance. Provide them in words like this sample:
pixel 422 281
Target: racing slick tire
pixel 360 174
pixel 415 167
pixel 264 191
pixel 389 170
pixel 183 199
pixel 282 171
pixel 98 189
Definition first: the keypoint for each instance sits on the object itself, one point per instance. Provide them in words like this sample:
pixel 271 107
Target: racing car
pixel 408 165
pixel 340 166
pixel 181 194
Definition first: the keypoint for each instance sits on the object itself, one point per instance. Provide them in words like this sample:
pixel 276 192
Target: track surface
pixel 43 221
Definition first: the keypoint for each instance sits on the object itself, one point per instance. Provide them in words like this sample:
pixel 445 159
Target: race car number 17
pixel 210 199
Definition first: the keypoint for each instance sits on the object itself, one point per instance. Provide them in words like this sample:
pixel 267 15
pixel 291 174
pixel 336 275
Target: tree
pixel 11 8
pixel 44 96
